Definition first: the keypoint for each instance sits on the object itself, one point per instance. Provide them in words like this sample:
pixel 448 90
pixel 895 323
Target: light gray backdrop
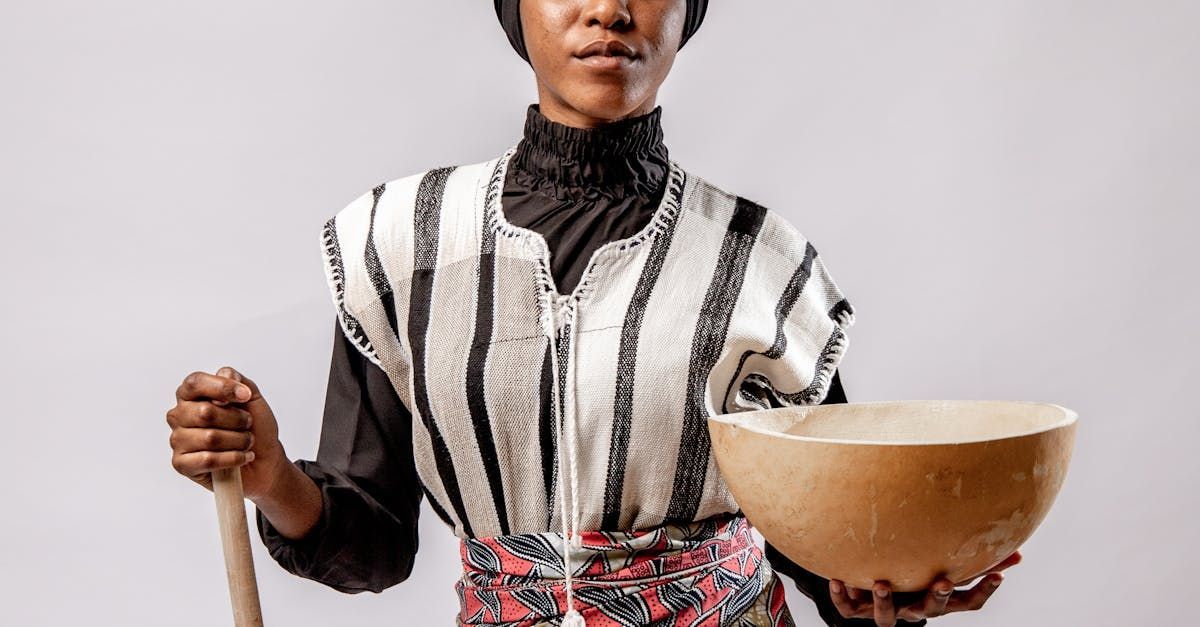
pixel 1007 191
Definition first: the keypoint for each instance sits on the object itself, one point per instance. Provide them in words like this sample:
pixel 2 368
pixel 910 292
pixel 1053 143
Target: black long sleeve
pixel 366 537
pixel 816 587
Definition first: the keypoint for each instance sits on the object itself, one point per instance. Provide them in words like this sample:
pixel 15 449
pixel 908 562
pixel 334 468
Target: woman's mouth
pixel 606 62
pixel 607 54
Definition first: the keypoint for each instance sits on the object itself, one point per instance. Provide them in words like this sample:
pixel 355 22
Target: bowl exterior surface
pixel 904 513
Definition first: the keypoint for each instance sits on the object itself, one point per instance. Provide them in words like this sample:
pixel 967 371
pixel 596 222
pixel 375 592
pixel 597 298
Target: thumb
pixel 247 391
pixel 249 396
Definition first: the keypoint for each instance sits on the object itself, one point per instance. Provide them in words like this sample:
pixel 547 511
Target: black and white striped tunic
pixel 717 305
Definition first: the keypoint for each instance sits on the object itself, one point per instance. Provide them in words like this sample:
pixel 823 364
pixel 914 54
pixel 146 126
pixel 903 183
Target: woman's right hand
pixel 222 421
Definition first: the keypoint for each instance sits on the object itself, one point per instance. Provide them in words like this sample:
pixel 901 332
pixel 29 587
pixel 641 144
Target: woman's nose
pixel 609 14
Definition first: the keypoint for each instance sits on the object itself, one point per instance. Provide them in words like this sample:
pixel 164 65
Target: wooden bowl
pixel 902 491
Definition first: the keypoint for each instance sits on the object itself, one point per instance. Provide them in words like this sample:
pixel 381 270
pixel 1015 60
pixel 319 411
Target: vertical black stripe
pixel 426 218
pixel 723 290
pixel 563 338
pixel 476 383
pixel 383 287
pixel 618 450
pixel 783 308
pixel 546 430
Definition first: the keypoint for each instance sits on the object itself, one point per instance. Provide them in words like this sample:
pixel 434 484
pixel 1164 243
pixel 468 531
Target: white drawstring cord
pixel 572 618
pixel 572 424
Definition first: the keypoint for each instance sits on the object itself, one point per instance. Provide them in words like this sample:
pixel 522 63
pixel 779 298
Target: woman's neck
pixel 555 108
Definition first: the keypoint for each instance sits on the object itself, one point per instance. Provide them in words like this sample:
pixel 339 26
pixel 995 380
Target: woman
pixel 533 343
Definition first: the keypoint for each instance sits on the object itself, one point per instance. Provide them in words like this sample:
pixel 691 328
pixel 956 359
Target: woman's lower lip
pixel 604 62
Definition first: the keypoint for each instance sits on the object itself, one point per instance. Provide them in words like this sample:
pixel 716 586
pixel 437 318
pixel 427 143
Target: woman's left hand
pixel 940 598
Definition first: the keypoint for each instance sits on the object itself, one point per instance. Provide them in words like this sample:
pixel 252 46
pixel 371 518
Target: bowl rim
pixel 1069 417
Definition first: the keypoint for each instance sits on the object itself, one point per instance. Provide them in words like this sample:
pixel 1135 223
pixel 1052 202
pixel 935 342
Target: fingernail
pixel 242 393
pixel 943 593
pixel 881 593
pixel 837 587
pixel 249 457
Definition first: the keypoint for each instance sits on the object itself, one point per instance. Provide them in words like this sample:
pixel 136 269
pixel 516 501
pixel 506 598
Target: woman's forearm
pixel 293 503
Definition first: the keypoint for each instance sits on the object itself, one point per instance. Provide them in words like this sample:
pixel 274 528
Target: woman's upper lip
pixel 607 47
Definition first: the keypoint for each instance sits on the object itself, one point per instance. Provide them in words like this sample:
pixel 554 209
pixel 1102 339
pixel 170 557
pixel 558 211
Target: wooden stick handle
pixel 235 540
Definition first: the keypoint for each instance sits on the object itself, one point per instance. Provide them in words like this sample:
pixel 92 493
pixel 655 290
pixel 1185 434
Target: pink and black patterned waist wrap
pixel 708 573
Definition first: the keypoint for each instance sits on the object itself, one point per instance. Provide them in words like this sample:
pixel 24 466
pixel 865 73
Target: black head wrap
pixel 509 12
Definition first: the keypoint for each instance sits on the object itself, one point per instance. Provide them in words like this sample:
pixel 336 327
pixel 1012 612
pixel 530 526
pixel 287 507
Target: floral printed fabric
pixel 708 573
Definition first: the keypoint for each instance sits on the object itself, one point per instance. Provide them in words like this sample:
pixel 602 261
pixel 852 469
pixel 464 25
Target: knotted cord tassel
pixel 573 619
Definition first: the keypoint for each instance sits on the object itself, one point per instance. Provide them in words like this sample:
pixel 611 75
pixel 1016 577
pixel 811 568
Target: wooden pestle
pixel 235 541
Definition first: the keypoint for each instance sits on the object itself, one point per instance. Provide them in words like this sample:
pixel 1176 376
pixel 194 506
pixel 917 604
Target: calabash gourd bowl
pixel 902 491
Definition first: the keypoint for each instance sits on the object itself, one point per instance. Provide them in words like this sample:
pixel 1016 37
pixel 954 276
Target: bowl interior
pixel 906 422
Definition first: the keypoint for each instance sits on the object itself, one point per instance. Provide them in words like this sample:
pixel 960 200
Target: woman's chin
pixel 604 101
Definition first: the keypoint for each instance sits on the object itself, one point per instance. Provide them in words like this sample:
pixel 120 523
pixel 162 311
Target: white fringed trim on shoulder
pixel 335 277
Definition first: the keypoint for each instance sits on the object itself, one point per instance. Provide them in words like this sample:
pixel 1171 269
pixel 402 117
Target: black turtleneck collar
pixel 618 159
